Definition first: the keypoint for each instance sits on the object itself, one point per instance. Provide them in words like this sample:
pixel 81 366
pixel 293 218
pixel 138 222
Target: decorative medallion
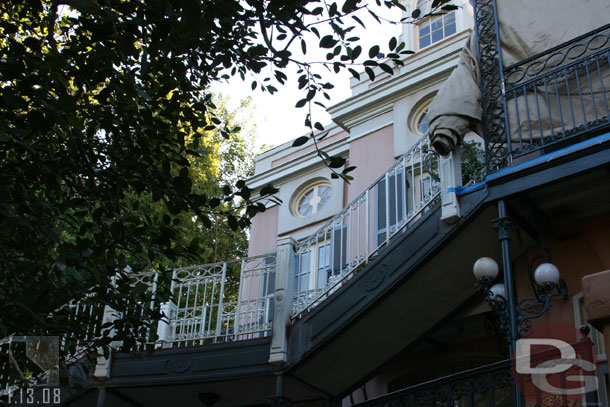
pixel 374 278
pixel 178 365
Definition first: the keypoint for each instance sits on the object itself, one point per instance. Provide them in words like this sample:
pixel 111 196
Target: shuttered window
pixel 303 269
pixel 315 268
pixel 339 249
pixel 391 203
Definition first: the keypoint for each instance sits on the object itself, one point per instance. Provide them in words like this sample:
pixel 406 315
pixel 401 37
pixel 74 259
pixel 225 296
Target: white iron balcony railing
pixel 211 303
pixel 327 258
pixel 220 302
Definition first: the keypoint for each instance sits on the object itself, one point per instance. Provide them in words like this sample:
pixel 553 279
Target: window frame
pixel 597 338
pixel 312 187
pixel 418 112
pixel 267 290
pixel 401 188
pixel 429 21
pixel 331 266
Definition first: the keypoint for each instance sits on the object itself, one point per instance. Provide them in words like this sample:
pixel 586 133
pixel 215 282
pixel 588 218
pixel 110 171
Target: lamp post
pixel 547 283
pixel 515 315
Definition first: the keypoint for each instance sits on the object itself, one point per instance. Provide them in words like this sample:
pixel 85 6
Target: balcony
pixel 546 103
pixel 238 300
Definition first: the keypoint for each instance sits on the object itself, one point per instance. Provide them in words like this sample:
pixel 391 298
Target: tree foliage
pixel 105 119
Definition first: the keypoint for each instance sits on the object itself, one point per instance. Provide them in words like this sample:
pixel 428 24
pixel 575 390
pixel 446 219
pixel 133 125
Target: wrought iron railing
pixel 560 94
pixel 488 386
pixel 543 102
pixel 327 258
pixel 211 303
pixel 220 302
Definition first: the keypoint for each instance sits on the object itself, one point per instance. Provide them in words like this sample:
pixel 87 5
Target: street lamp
pixel 546 282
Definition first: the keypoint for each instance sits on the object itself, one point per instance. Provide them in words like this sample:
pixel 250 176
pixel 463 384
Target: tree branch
pixel 18 304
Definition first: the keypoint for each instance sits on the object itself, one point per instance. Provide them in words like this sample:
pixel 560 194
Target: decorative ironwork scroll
pixel 495 126
pixel 488 385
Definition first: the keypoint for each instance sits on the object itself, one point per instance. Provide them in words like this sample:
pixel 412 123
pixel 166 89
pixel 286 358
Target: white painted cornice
pixel 424 68
pixel 295 167
pixel 279 151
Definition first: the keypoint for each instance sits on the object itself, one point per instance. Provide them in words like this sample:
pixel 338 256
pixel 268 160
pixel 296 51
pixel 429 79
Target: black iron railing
pixel 544 102
pixel 559 94
pixel 485 386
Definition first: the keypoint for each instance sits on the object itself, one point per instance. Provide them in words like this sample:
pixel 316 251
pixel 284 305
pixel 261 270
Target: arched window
pixel 312 199
pixel 422 122
pixel 418 118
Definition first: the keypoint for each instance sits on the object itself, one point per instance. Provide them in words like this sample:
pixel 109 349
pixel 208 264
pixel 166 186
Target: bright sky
pixel 275 116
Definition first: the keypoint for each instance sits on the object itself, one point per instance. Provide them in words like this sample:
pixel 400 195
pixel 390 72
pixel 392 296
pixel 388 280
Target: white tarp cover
pixel 527 28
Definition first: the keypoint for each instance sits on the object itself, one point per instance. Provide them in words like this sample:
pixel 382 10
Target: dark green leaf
pixel 373 51
pixel 327 41
pixel 300 141
pixel 337 162
pixel 386 68
pixel 232 222
pixel 268 189
pixel 84 6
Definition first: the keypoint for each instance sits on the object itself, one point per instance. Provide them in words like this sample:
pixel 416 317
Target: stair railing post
pixel 450 168
pixel 284 283
pixel 164 327
pixel 102 365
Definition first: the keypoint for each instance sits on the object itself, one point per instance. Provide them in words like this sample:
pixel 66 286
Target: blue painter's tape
pixel 472 188
pixel 460 190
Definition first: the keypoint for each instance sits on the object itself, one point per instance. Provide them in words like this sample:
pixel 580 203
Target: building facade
pixel 363 293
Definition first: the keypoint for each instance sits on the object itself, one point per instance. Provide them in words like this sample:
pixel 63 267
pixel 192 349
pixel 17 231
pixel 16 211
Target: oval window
pixel 313 199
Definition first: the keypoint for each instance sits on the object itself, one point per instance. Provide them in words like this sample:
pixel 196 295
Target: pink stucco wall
pixel 263 232
pixel 372 155
pixel 575 257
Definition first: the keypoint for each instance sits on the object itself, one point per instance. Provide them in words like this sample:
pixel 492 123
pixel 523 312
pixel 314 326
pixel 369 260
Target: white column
pixel 451 178
pixel 164 328
pixel 102 367
pixel 284 283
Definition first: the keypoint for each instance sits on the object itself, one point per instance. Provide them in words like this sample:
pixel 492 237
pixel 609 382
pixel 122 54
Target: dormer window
pixel 434 28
